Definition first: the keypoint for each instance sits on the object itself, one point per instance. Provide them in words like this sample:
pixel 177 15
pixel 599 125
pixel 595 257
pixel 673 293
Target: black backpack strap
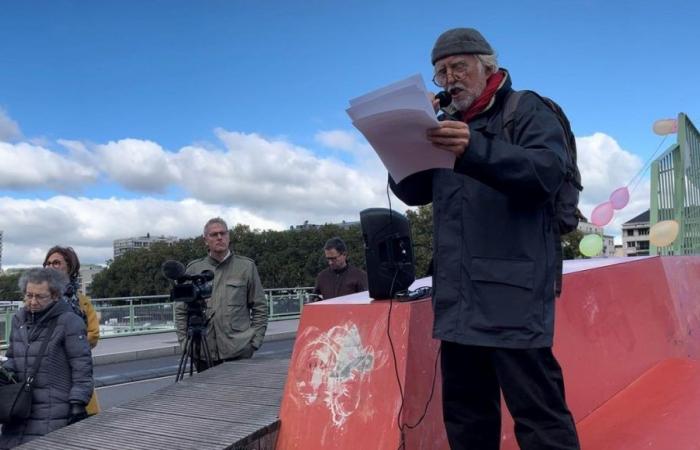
pixel 508 127
pixel 40 356
pixel 559 252
pixel 509 113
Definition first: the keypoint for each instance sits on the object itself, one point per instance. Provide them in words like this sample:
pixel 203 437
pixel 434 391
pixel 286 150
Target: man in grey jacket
pixel 236 312
pixel 495 263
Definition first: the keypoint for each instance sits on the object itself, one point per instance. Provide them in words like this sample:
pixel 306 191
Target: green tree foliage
pixel 288 258
pixel 138 272
pixel 569 244
pixel 284 259
pixel 421 222
pixel 9 291
pixel 294 257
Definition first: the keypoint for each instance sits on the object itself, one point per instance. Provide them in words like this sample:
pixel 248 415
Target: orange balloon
pixel 664 233
pixel 665 126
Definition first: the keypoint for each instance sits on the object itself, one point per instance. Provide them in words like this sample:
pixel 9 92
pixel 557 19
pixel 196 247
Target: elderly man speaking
pixel 494 252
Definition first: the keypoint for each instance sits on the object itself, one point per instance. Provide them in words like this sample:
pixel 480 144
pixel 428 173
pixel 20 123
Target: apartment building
pixel 122 246
pixel 635 235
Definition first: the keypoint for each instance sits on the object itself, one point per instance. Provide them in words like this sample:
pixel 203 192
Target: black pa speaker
pixel 388 252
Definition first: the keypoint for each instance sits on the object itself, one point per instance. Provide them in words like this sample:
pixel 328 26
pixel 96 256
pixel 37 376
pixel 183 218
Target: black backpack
pixel 566 201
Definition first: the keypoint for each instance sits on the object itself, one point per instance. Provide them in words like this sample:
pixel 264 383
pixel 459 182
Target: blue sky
pixel 152 115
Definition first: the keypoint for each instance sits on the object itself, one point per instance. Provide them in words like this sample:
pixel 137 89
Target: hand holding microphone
pixel 452 135
pixel 441 100
pixel 444 99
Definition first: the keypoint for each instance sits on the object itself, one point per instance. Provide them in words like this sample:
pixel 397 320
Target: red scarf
pixel 492 85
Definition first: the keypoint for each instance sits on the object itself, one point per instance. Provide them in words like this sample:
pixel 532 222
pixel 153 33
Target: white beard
pixel 465 102
pixel 466 98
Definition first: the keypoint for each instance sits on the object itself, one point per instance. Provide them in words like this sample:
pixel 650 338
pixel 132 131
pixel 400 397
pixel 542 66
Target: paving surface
pixel 231 406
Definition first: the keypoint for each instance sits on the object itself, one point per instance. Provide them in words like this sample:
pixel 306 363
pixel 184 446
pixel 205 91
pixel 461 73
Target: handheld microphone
pixel 173 270
pixel 445 98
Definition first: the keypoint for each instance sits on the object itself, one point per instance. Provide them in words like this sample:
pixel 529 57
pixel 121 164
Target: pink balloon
pixel 602 214
pixel 620 197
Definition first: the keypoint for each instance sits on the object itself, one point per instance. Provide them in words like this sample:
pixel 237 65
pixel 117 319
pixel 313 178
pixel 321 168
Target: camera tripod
pixel 195 346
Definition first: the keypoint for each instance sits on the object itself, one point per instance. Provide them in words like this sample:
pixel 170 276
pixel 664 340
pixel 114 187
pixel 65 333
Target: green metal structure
pixel 675 190
pixel 128 316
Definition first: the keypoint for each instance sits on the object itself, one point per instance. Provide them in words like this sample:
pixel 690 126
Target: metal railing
pixel 675 190
pixel 128 316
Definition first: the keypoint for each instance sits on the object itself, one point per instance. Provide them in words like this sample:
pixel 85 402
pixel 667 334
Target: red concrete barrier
pixel 618 318
pixel 660 410
pixel 342 390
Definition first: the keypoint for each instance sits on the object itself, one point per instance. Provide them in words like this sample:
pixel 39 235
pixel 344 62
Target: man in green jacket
pixel 236 312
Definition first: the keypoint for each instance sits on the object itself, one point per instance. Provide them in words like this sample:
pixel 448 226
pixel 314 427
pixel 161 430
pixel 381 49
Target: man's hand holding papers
pixel 451 135
pixel 395 121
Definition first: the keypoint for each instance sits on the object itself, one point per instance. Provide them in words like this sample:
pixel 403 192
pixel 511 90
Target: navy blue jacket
pixel 493 235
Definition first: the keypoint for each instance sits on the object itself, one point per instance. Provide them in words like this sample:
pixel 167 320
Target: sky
pixel 121 118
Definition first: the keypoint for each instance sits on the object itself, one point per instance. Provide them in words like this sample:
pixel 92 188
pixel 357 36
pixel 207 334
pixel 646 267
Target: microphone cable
pixel 405 426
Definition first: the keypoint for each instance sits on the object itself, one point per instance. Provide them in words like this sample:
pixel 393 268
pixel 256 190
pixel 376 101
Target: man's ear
pixel 488 70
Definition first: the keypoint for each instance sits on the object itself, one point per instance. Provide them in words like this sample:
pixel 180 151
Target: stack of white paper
pixel 394 120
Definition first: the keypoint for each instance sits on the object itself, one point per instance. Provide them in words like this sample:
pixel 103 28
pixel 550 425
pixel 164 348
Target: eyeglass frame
pixel 335 258
pixel 458 73
pixel 55 263
pixel 38 297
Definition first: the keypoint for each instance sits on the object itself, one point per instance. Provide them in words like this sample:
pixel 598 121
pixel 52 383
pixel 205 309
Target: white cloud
pixel 138 165
pixel 351 143
pixel 90 225
pixel 273 178
pixel 338 139
pixel 277 179
pixel 250 179
pixel 25 166
pixel 605 166
pixel 265 183
pixel 79 152
pixel 9 129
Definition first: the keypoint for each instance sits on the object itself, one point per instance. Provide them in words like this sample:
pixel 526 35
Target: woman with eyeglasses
pixel 64 259
pixel 63 380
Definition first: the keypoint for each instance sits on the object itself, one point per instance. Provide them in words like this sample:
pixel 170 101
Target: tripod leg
pixel 207 355
pixel 194 353
pixel 183 362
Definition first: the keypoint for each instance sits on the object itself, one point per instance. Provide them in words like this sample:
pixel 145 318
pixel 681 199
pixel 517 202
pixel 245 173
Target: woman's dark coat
pixel 65 373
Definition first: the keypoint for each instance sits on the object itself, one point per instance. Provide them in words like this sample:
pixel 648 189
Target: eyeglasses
pixel 37 297
pixel 458 70
pixel 54 263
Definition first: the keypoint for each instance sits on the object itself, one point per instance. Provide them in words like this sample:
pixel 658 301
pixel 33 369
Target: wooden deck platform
pixel 232 406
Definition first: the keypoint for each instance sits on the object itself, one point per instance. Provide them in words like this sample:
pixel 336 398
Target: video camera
pixel 191 289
